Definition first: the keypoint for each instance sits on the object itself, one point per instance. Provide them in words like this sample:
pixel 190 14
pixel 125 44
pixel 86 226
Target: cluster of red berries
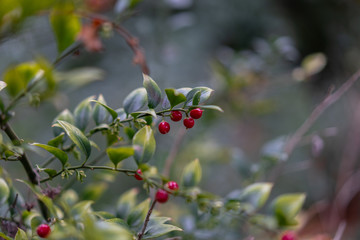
pixel 164 127
pixel 162 195
pixel 43 230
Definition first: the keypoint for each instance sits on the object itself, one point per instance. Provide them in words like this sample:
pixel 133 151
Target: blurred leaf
pixel 4 236
pixel 205 95
pixel 58 153
pixel 118 221
pixel 2 85
pixel 18 77
pixel 99 114
pixel 157 227
pixel 82 113
pixel 4 191
pixel 21 235
pixel 274 149
pixel 286 207
pixel 65 23
pixel 121 113
pixel 212 107
pixel 126 202
pixel 137 215
pixel 135 100
pixel 314 63
pixel 50 172
pixel 77 137
pixel 174 97
pixel 192 174
pixel 80 76
pixel 66 116
pixel 116 155
pixel 144 145
pixel 93 191
pixel 153 91
pixel 56 141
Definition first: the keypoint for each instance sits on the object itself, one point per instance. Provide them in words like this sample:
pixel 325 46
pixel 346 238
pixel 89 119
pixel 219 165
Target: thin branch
pixel 141 234
pixel 126 171
pixel 318 111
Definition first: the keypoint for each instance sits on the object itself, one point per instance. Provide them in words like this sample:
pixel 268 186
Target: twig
pixel 141 234
pixel 91 168
pixel 340 231
pixel 327 102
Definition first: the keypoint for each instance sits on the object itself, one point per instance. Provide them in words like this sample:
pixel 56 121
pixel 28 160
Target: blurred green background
pixel 250 53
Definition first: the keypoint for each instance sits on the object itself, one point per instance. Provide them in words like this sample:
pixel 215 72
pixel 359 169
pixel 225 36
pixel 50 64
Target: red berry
pixel 161 196
pixel 196 113
pixel 43 230
pixel 164 127
pixel 176 116
pixel 138 175
pixel 288 236
pixel 189 122
pixel 172 185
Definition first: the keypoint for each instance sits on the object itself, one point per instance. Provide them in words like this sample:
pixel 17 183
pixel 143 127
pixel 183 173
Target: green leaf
pixel 255 195
pixel 138 214
pixel 21 235
pixel 174 97
pixel 157 227
pixel 79 77
pixel 205 95
pixel 66 116
pixel 116 155
pixel 153 91
pixel 4 191
pixel 77 137
pixel 82 113
pixel 58 153
pixel 192 174
pixel 99 115
pixel 126 202
pixel 121 113
pixel 212 107
pixel 166 103
pixel 145 112
pixel 56 141
pixel 144 145
pixel 94 191
pixel 135 100
pixel 50 172
pixel 196 99
pixel 65 23
pixel 18 77
pixel 286 207
pixel 4 236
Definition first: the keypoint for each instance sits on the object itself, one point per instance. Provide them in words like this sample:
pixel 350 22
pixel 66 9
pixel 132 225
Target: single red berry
pixel 172 185
pixel 43 230
pixel 138 175
pixel 161 196
pixel 176 116
pixel 196 113
pixel 288 236
pixel 189 122
pixel 164 127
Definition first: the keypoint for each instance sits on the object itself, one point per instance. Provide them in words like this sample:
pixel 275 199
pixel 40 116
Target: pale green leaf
pixel 58 153
pixel 135 100
pixel 116 155
pixel 153 91
pixel 192 174
pixel 144 145
pixel 286 207
pixel 4 191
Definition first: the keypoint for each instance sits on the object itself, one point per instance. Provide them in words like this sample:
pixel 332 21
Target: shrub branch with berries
pixel 129 133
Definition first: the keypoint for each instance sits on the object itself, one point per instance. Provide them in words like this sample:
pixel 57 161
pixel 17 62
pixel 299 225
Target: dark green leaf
pixel 196 99
pixel 66 116
pixel 112 112
pixel 65 23
pixel 192 174
pixel 77 137
pixel 174 97
pixel 166 103
pixel 213 107
pixel 135 100
pixel 157 227
pixel 144 145
pixel 101 110
pixel 116 155
pixel 56 141
pixel 286 207
pixel 58 153
pixel 149 111
pixel 153 91
pixel 82 113
pixel 138 214
pixel 4 236
pixel 205 94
